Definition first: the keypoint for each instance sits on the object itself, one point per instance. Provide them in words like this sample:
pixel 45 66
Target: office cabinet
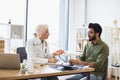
pixel 12 34
pixel 16 32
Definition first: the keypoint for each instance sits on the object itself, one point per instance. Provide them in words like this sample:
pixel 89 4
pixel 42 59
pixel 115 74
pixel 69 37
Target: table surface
pixel 39 71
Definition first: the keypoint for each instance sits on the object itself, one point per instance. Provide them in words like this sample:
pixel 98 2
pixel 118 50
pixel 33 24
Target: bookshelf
pixel 81 38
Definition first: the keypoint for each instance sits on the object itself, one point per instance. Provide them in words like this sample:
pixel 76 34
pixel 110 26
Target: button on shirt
pixel 37 52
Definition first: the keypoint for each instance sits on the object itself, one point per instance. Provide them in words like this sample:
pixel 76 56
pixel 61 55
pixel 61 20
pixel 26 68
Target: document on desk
pixel 74 67
pixel 66 66
pixel 54 64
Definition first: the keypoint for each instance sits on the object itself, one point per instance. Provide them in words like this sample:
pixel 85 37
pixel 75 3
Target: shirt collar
pixel 97 42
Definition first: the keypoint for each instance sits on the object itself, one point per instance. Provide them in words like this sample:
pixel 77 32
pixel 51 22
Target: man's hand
pixel 72 62
pixel 79 62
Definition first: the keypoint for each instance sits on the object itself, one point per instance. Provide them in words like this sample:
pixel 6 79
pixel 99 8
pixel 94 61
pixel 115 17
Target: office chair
pixel 106 70
pixel 21 51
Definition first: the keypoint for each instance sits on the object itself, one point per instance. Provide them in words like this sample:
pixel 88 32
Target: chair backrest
pixel 106 70
pixel 22 52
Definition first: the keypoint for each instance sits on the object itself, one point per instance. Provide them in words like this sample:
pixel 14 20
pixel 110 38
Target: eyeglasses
pixel 91 32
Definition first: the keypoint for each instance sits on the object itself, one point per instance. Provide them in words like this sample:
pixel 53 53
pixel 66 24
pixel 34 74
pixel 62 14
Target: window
pixel 44 12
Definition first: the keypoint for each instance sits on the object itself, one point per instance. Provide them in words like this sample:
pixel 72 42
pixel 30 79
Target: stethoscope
pixel 45 50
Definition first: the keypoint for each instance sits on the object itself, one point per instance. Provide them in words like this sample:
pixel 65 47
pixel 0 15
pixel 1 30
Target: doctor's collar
pixel 40 41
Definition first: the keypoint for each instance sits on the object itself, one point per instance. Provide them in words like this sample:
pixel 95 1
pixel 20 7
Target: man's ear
pixel 97 34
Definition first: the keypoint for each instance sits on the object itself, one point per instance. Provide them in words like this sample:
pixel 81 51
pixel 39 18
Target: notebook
pixel 9 61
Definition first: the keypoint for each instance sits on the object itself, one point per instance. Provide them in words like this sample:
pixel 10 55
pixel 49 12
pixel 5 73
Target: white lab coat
pixel 37 52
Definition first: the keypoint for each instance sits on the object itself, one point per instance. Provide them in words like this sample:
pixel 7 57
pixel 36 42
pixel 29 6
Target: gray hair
pixel 40 29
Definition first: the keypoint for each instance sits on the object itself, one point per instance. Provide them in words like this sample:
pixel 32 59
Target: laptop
pixel 9 61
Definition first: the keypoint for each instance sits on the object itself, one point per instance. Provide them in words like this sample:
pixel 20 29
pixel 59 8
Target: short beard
pixel 92 38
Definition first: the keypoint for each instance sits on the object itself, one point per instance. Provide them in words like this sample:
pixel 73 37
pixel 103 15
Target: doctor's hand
pixel 52 60
pixel 58 52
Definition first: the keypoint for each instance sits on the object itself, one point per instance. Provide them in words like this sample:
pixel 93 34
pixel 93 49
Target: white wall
pixel 103 11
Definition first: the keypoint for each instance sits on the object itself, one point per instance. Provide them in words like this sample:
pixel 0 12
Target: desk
pixel 39 72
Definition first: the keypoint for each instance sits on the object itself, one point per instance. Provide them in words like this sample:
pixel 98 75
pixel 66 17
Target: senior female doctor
pixel 38 50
